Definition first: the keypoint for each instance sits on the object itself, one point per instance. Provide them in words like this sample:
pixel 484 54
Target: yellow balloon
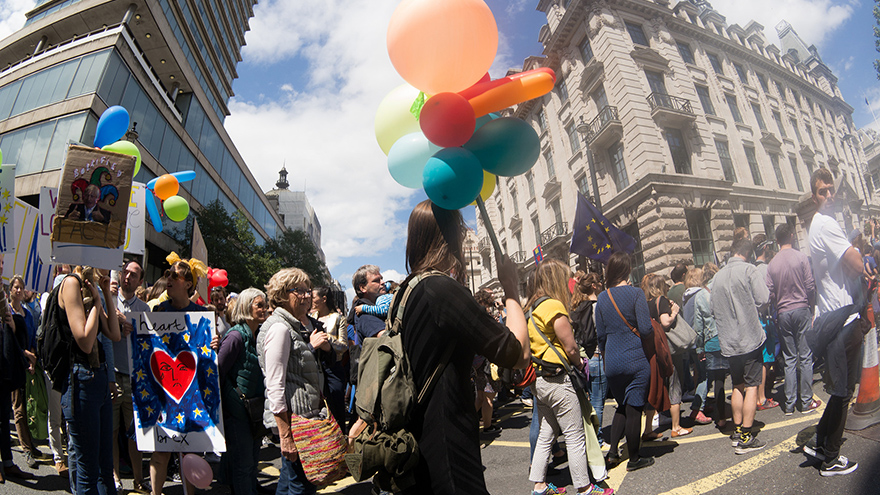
pixel 488 186
pixel 393 118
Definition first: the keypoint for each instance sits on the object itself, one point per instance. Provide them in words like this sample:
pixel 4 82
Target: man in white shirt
pixel 837 268
pixel 129 280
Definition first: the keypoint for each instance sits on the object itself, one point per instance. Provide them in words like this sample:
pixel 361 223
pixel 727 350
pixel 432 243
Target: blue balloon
pixel 486 118
pixel 407 159
pixel 506 146
pixel 452 178
pixel 112 125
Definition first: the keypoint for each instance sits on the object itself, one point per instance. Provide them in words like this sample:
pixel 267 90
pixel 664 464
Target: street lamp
pixel 132 134
pixel 583 128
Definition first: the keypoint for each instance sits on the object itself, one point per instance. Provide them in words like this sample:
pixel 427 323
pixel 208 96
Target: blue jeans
pixel 292 480
pixel 241 456
pixel 88 411
pixel 598 388
pixel 702 391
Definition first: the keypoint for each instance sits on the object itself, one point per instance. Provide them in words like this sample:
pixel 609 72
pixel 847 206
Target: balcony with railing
pixel 604 130
pixel 553 235
pixel 670 110
pixel 519 257
pixel 485 245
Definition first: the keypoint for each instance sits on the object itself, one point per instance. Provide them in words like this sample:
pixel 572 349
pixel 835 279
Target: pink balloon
pixel 197 471
pixel 447 120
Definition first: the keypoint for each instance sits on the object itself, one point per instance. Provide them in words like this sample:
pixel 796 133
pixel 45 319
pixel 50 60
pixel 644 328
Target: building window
pixel 562 90
pixel 753 166
pixel 700 233
pixel 741 220
pixel 769 226
pixel 774 160
pixel 618 168
pixel 780 89
pixel 636 34
pixel 734 108
pixel 716 64
pixel 810 135
pixel 797 98
pixel 583 185
pixel 551 170
pixel 705 100
pixel 759 116
pixel 743 77
pixel 680 157
pixel 778 119
pixel 763 81
pixel 822 140
pixel 501 214
pixel 686 54
pixel 537 226
pixel 530 181
pixel 573 138
pixel 655 82
pixel 797 131
pixel 557 211
pixel 518 238
pixel 600 98
pixel 797 175
pixel 638 257
pixel 515 201
pixel 586 50
pixel 542 120
pixel 726 162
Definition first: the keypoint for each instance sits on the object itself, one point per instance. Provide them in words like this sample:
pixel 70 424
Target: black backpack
pixel 55 341
pixel 583 322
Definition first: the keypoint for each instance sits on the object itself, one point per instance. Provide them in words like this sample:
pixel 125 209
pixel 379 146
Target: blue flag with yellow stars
pixel 175 379
pixel 594 236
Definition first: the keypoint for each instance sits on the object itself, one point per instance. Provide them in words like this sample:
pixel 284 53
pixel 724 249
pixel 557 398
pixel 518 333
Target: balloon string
pixel 488 225
pixel 416 108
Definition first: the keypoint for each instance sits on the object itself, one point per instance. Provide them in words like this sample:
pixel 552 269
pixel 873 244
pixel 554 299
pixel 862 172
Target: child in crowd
pixel 383 302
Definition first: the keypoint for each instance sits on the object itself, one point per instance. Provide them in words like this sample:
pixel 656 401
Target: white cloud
pixel 12 15
pixel 393 276
pixel 814 20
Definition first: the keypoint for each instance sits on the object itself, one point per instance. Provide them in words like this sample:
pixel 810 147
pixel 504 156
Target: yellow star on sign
pixel 8 207
pixel 206 392
pixel 145 346
pixel 197 412
pixel 607 246
pixel 140 374
pixel 3 220
pixel 150 410
pixel 166 338
pixel 179 418
pixel 6 194
pixel 186 338
pixel 210 371
pixel 144 394
pixel 206 350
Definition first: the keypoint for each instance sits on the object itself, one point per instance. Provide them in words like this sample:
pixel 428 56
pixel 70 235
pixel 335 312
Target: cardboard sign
pixel 92 209
pixel 26 259
pixel 7 203
pixel 200 252
pixel 175 383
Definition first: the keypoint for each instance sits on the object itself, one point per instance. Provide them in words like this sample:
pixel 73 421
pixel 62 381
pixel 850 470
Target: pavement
pixel 698 463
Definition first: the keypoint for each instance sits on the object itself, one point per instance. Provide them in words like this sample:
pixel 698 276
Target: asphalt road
pixel 698 463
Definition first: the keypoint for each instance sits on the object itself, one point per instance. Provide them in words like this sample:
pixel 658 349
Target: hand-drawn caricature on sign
pixel 92 208
pixel 175 383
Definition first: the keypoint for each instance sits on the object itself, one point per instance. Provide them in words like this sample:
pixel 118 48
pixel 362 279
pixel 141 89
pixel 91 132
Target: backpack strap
pixel 562 360
pixel 395 317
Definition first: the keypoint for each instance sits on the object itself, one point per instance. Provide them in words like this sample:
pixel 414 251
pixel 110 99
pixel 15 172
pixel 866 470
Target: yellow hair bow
pixel 198 268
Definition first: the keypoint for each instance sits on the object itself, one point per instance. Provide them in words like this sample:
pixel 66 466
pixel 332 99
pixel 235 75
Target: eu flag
pixel 594 236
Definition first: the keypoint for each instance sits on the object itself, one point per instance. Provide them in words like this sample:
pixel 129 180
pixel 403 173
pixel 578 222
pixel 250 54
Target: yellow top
pixel 544 316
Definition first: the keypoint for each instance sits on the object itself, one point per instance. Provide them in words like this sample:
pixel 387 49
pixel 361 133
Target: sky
pixel 313 74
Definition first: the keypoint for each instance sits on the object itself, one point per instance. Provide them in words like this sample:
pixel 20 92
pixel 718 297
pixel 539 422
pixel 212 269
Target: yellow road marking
pixel 335 487
pixel 732 473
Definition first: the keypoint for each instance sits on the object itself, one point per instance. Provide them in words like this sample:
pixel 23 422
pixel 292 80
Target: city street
pixel 698 463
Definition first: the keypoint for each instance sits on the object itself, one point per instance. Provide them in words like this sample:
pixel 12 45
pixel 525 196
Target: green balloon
pixel 176 208
pixel 126 148
pixel 1 157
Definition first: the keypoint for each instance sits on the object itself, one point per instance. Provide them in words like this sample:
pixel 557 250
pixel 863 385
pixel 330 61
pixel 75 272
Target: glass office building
pixel 170 63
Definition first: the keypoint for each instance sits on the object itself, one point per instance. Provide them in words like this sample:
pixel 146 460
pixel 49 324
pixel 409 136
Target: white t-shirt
pixel 828 243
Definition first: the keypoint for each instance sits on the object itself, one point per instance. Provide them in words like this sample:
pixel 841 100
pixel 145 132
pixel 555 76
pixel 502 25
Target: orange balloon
pixel 166 186
pixel 513 91
pixel 442 45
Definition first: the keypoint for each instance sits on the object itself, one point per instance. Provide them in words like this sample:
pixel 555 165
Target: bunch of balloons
pixel 452 144
pixel 217 277
pixel 165 187
pixel 112 126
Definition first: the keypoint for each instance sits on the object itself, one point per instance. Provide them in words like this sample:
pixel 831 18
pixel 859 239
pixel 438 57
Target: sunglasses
pixel 173 275
pixel 301 292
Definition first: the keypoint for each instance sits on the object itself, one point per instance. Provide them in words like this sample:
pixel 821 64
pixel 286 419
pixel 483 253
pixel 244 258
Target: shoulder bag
pixel 321 446
pixel 655 346
pixel 681 335
pixel 578 378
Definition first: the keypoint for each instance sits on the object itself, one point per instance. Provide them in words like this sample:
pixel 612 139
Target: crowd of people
pixel 571 342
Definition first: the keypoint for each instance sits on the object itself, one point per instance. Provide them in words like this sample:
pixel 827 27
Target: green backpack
pixel 385 398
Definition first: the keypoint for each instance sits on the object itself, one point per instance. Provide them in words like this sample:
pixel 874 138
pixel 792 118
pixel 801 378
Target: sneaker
pixel 212 457
pixel 768 404
pixel 750 446
pixel 788 412
pixel 699 418
pixel 61 468
pixel 526 402
pixel 550 490
pixel 30 460
pixel 492 430
pixel 642 462
pixel 598 490
pixel 841 465
pixel 813 450
pixel 734 439
pixel 812 406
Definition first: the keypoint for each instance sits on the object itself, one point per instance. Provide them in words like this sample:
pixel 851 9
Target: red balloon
pixel 447 120
pixel 217 278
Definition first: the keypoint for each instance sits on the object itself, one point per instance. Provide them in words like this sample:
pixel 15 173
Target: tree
pixel 233 246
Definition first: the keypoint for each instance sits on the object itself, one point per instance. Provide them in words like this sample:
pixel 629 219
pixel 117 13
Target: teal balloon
pixel 506 146
pixel 111 126
pixel 407 159
pixel 486 118
pixel 452 178
pixel 176 208
pixel 126 148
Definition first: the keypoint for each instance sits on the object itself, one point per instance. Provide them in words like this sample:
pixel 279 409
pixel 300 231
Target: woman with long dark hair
pixel 441 312
pixel 336 375
pixel 622 320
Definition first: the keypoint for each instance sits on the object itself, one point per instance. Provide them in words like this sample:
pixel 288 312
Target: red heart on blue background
pixel 173 374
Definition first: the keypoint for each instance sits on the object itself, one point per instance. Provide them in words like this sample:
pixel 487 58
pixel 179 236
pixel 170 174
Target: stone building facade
pixel 680 128
pixel 295 210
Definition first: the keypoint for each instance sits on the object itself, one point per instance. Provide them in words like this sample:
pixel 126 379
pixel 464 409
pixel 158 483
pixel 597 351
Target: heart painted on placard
pixel 174 375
